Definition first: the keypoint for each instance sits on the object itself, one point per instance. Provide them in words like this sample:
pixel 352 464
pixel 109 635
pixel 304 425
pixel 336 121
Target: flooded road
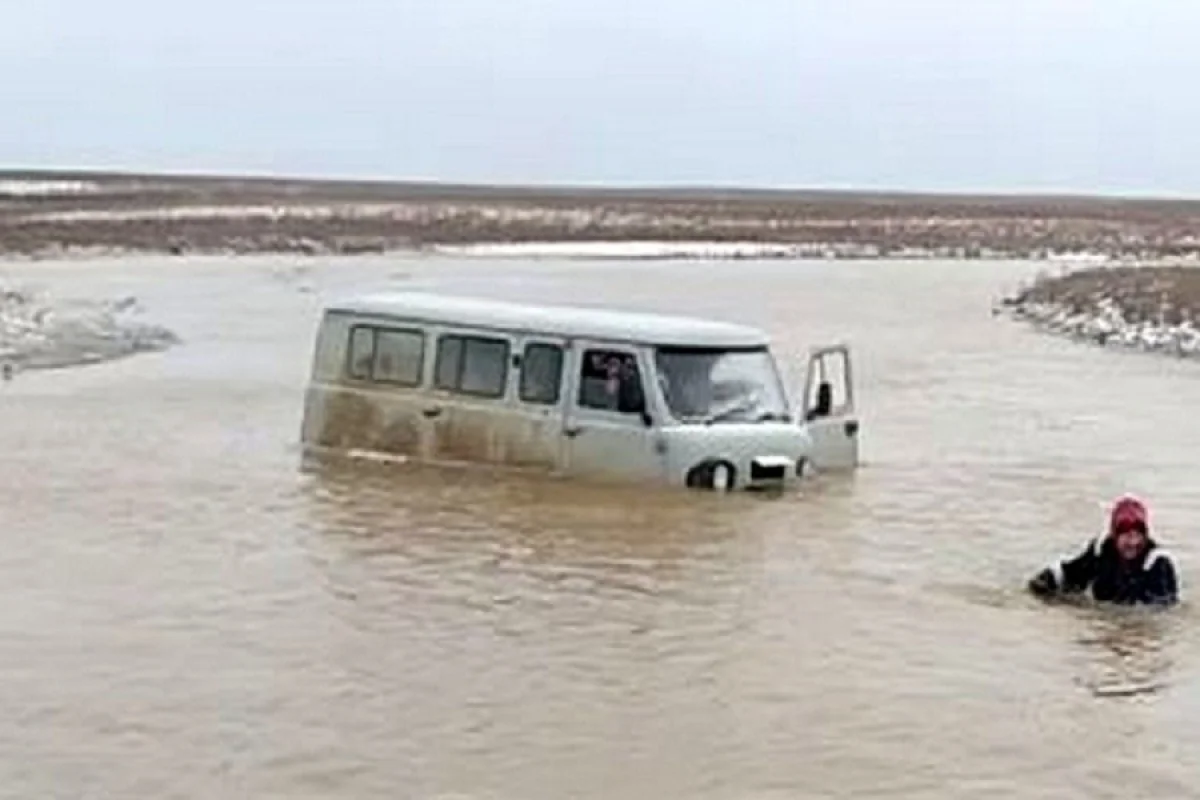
pixel 187 613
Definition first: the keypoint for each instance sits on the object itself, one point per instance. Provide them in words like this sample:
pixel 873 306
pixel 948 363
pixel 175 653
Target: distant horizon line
pixel 41 172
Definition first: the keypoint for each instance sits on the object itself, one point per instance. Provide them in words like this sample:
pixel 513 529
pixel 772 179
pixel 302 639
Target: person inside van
pixel 1125 566
pixel 626 383
pixel 611 381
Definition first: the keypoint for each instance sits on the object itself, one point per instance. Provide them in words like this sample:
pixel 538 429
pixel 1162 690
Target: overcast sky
pixel 1074 95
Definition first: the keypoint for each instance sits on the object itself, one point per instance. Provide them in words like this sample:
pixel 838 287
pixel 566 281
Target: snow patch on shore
pixel 699 249
pixel 642 250
pixel 20 188
pixel 38 331
pixel 229 212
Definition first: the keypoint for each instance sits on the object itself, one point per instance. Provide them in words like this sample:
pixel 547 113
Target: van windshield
pixel 704 385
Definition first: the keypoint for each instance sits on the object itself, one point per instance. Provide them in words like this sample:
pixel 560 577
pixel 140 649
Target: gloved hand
pixel 1043 584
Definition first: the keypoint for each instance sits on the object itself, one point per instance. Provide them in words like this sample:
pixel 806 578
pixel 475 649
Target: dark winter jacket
pixel 1151 580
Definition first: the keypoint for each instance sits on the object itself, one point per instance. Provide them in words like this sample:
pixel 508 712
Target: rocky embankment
pixel 1147 308
pixel 57 214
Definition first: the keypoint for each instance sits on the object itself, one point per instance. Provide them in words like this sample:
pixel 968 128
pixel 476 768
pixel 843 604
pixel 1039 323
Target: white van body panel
pixel 384 382
pixel 567 322
pixel 780 449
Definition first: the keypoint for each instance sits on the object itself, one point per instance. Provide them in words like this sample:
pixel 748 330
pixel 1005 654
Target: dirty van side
pixel 437 392
pixel 496 398
pixel 540 387
pixel 367 387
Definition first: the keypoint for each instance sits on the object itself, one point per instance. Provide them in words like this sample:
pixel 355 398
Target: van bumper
pixel 757 473
pixel 736 457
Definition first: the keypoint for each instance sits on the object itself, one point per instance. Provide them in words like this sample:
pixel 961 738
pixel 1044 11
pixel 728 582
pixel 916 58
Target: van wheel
pixel 715 476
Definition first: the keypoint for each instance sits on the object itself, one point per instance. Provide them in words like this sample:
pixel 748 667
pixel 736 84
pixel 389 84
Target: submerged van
pixel 573 391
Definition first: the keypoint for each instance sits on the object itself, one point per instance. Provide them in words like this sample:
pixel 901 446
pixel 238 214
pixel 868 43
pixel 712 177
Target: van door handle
pixel 572 431
pixel 432 412
pixel 851 427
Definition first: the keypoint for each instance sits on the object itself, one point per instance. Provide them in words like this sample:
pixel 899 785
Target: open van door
pixel 828 409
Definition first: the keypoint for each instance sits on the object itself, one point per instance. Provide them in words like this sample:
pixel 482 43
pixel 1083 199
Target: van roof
pixel 558 320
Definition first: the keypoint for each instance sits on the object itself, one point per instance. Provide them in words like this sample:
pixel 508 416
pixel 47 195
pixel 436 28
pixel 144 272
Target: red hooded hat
pixel 1128 511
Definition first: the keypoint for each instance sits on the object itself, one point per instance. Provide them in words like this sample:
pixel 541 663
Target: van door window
pixel 472 365
pixel 541 373
pixel 399 357
pixel 610 381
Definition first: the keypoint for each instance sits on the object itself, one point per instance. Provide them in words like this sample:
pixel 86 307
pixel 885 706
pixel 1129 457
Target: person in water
pixel 1125 566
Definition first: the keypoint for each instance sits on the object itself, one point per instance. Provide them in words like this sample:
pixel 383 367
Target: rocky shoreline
pixel 1151 308
pixel 56 215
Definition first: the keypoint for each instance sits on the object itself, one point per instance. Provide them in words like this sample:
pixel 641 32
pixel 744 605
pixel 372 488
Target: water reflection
pixel 480 580
pixel 530 534
pixel 1129 652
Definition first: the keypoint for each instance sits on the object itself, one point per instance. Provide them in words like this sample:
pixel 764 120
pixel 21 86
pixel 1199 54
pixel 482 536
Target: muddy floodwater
pixel 187 612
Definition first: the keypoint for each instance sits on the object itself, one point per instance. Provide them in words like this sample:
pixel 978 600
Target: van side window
pixel 386 355
pixel 610 381
pixel 472 365
pixel 399 357
pixel 541 373
pixel 362 352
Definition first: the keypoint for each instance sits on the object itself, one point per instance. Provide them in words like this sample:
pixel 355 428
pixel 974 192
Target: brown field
pixel 181 214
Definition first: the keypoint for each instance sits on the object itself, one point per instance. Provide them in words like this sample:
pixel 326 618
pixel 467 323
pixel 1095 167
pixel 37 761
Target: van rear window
pixel 472 365
pixel 386 355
